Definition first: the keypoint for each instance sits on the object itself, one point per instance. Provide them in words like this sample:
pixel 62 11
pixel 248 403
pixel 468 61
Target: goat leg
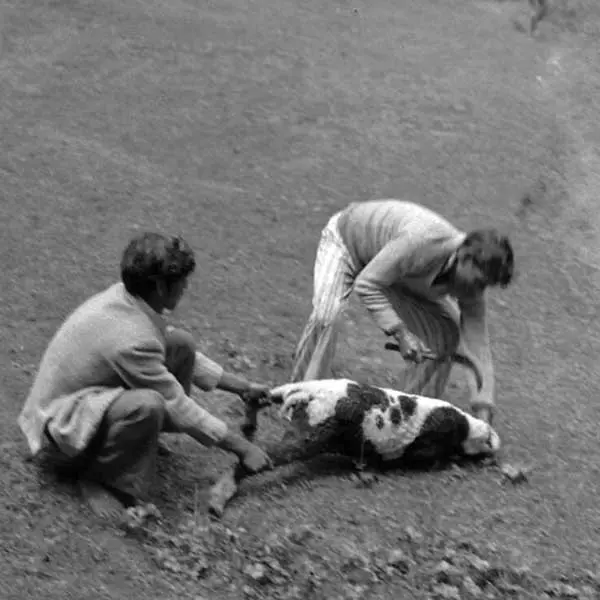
pixel 294 446
pixel 226 486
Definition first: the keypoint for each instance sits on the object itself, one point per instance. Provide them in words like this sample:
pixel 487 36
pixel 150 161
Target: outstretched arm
pixel 209 375
pixel 475 344
pixel 142 366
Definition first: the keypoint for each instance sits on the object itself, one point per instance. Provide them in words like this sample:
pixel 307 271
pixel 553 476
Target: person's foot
pixel 102 501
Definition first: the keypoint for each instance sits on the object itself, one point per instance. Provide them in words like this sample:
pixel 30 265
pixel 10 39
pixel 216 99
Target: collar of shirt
pixel 157 319
pixel 441 277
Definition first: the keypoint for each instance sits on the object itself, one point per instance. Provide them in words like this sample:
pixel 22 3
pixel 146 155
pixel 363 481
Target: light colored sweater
pixel 111 343
pixel 396 242
pixel 401 243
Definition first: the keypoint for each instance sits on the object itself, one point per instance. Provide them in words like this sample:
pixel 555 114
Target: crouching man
pixel 114 376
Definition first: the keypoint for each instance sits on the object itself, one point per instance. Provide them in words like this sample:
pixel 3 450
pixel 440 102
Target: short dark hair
pixel 492 252
pixel 149 257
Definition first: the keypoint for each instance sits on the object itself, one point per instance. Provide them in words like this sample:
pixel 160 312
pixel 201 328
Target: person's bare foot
pixel 101 501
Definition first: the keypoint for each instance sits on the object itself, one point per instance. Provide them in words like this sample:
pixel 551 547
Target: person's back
pixel 366 227
pixel 96 325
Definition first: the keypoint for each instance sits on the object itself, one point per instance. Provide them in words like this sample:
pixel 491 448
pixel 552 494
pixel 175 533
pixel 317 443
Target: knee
pixel 179 340
pixel 147 407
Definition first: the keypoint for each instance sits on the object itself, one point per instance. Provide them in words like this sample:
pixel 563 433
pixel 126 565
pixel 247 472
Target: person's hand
pixel 412 348
pixel 256 394
pixel 255 459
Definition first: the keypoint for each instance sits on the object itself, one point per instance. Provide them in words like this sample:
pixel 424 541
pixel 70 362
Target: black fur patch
pixel 408 404
pixel 359 400
pixel 304 444
pixel 441 436
pixel 300 416
pixel 379 422
pixel 321 435
pixel 351 443
pixel 395 415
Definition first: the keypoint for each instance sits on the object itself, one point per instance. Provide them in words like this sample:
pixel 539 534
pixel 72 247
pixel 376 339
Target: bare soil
pixel 243 126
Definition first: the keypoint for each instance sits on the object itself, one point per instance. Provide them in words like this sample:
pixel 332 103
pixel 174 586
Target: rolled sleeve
pixel 142 366
pixel 207 373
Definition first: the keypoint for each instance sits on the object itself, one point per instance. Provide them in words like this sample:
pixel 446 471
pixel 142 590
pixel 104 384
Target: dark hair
pixel 152 256
pixel 491 252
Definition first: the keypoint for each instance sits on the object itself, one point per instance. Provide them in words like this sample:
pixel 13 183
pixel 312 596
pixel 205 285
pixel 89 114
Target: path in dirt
pixel 568 82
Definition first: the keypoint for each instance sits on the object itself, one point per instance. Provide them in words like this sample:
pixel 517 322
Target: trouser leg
pixel 333 280
pixel 435 323
pixel 122 455
pixel 180 356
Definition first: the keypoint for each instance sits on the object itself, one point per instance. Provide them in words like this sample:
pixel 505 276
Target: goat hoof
pixel 365 478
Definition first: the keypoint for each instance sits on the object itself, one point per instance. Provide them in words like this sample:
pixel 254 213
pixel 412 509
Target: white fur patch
pixel 482 438
pixel 392 440
pixel 318 397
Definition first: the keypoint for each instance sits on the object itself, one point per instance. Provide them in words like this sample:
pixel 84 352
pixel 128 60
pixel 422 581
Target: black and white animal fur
pixel 377 425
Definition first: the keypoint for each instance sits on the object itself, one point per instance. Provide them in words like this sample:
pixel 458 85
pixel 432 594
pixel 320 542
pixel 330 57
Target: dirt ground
pixel 244 125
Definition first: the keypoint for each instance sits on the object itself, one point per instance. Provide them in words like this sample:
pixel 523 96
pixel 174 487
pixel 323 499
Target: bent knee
pixel 179 339
pixel 143 405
